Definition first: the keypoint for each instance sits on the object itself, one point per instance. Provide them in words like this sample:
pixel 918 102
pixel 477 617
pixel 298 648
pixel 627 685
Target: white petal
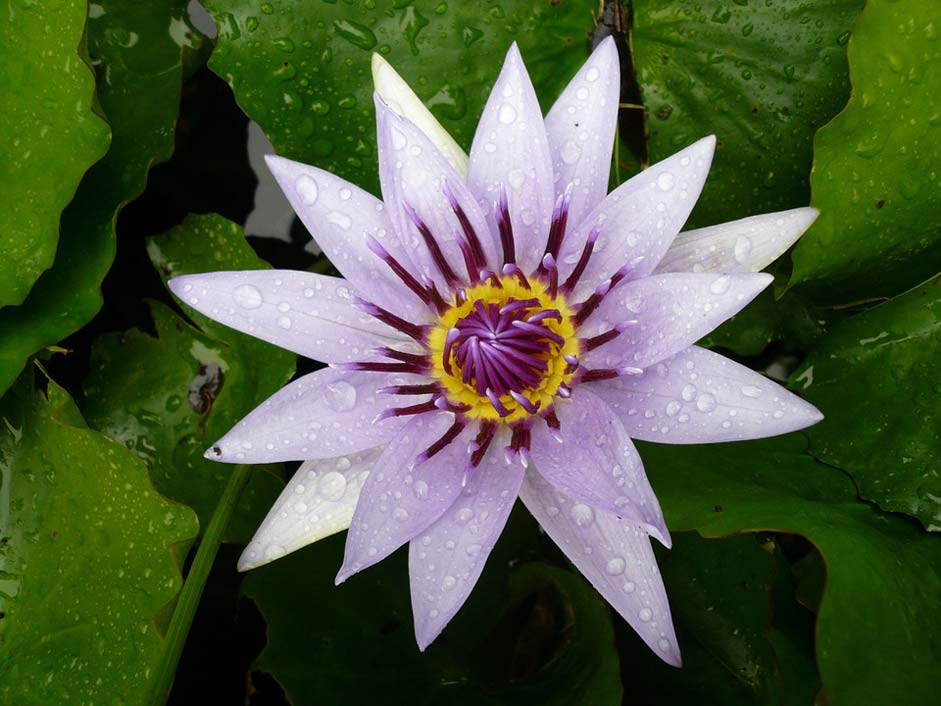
pixel 511 152
pixel 397 94
pixel 318 501
pixel 341 217
pixel 326 414
pixel 580 128
pixel 746 245
pixel 307 313
pixel 701 397
pixel 614 555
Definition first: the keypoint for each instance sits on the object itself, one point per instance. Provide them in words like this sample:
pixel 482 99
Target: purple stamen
pixel 416 331
pixel 429 389
pixel 473 242
pixel 583 260
pixel 421 292
pixel 422 408
pixel 548 266
pixel 448 436
pixel 506 229
pixel 482 442
pixel 442 264
pixel 511 270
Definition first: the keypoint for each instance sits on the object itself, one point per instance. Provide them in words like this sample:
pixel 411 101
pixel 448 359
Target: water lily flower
pixel 502 330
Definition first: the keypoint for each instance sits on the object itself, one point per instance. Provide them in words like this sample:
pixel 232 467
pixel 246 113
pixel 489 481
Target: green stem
pixel 193 587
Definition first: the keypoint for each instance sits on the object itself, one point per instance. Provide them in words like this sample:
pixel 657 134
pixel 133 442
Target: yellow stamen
pixel 555 375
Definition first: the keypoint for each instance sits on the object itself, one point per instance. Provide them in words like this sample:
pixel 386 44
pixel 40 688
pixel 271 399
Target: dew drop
pixel 306 189
pixel 420 489
pixel 332 486
pixel 448 583
pixel 340 396
pixel 742 249
pixel 582 515
pixel 688 393
pixel 400 514
pixel 247 296
pixel 629 587
pixel 751 391
pixel 665 181
pixel 720 285
pixel 284 322
pixel 706 402
pixel 570 152
pixel 592 74
pixel 506 114
pixel 615 566
pixel 645 614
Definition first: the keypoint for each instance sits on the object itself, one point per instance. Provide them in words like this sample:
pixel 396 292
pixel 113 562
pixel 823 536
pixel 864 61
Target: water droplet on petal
pixel 506 114
pixel 645 614
pixel 247 296
pixel 582 515
pixel 665 181
pixel 720 285
pixel 340 396
pixel 742 249
pixel 332 486
pixel 306 188
pixel 751 391
pixel 706 402
pixel 615 566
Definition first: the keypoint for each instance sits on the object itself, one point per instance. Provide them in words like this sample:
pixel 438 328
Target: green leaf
pixel 792 319
pixel 85 560
pixel 875 166
pixel 169 397
pixel 721 594
pixel 137 48
pixel 883 574
pixel 51 135
pixel 876 380
pixel 302 69
pixel 534 634
pixel 761 76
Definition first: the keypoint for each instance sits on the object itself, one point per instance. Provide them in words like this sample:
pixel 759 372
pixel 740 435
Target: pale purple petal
pixel 341 217
pixel 445 561
pixel 640 218
pixel 326 414
pixel 402 498
pixel 596 463
pixel 580 128
pixel 614 555
pixel 700 397
pixel 415 175
pixel 318 501
pixel 511 152
pixel 303 312
pixel 663 314
pixel 746 245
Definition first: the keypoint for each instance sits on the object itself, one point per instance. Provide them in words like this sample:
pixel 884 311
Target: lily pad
pixel 761 76
pixel 875 166
pixel 52 134
pixel 169 397
pixel 137 46
pixel 883 365
pixel 302 69
pixel 722 593
pixel 883 574
pixel 548 641
pixel 85 557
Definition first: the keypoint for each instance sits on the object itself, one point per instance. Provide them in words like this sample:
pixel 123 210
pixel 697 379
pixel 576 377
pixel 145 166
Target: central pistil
pixel 504 349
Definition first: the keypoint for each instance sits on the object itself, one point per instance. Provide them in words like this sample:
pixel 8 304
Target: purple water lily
pixel 503 329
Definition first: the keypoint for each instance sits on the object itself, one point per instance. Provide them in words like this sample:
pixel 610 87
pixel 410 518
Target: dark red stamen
pixel 448 436
pixel 506 229
pixel 429 389
pixel 475 249
pixel 421 292
pixel 416 331
pixel 444 267
pixel 407 411
pixel 480 445
pixel 582 260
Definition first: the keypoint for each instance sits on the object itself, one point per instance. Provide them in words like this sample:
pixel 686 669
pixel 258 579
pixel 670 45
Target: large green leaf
pixel 85 560
pixel 876 380
pixel 761 76
pixel 529 634
pixel 721 594
pixel 302 69
pixel 136 47
pixel 875 638
pixel 51 135
pixel 875 176
pixel 168 397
